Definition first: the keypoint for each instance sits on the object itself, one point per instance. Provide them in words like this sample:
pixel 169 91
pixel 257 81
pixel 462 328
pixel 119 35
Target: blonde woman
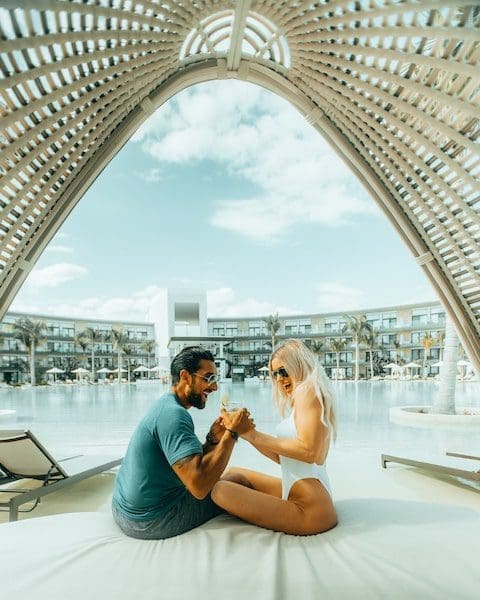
pixel 300 503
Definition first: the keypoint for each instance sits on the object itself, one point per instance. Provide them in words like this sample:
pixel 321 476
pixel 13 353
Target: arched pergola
pixel 393 85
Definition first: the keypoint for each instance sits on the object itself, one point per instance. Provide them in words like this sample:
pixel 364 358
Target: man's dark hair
pixel 189 358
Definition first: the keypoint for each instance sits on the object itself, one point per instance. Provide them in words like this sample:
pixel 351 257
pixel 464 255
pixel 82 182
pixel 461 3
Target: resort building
pixel 62 347
pixel 405 334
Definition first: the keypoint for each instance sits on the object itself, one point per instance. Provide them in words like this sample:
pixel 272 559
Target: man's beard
pixel 196 400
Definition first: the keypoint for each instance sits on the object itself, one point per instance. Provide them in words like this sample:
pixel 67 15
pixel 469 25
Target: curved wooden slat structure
pixel 393 85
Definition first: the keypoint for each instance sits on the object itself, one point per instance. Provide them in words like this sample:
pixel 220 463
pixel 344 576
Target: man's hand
pixel 238 420
pixel 216 431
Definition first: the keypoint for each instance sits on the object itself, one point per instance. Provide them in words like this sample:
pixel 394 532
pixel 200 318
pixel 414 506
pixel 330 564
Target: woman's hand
pixel 238 420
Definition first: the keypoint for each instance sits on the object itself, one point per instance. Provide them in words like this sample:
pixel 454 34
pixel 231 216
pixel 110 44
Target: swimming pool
pixel 101 418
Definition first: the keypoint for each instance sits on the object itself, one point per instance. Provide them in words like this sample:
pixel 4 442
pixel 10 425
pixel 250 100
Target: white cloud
pixel 54 275
pixel 147 303
pixel 257 135
pixel 335 297
pixel 223 302
pixel 59 248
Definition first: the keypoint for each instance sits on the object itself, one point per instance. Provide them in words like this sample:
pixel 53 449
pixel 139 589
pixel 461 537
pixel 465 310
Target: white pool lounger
pixel 381 548
pixel 454 464
pixel 23 457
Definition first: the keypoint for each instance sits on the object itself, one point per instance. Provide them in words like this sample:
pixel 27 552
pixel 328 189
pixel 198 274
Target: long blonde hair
pixel 306 372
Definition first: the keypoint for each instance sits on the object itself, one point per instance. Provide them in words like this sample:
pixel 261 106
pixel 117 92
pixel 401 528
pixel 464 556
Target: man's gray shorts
pixel 184 516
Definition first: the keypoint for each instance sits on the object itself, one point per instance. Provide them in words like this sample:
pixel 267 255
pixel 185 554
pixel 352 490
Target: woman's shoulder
pixel 306 397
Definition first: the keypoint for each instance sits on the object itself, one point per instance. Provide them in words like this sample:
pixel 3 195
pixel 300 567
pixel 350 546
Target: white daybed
pixel 381 549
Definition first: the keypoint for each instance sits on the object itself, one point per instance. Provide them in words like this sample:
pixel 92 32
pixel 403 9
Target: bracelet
pixel 234 434
pixel 210 439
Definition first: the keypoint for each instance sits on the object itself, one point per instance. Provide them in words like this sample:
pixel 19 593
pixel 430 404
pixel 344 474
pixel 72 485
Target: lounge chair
pixel 448 468
pixel 23 457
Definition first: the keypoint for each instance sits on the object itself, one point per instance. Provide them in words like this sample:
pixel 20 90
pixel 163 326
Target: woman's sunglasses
pixel 279 372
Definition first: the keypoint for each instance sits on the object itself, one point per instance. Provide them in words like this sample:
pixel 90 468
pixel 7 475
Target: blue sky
pixel 226 189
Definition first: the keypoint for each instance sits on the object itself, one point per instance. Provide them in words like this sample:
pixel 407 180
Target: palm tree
pixel 445 400
pixel 30 333
pixel 317 347
pixel 119 340
pixel 128 351
pixel 370 340
pixel 427 342
pixel 91 336
pixel 273 325
pixel 357 327
pixel 82 342
pixel 440 342
pixel 149 347
pixel 337 345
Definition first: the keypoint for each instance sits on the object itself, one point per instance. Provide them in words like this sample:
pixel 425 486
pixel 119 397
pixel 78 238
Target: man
pixel 163 486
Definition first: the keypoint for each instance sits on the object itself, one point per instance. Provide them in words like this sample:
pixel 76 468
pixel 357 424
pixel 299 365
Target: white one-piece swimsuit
pixel 292 469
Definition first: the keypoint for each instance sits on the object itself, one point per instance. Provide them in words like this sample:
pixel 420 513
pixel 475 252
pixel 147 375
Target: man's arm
pixel 200 473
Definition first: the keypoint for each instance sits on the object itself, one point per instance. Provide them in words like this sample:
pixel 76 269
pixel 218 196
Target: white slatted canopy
pixel 393 85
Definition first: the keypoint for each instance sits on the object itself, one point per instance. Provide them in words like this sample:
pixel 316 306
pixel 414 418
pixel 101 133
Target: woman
pixel 299 503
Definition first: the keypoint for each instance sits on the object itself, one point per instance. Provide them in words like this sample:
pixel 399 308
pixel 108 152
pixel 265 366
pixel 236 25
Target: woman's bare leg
pixel 312 513
pixel 255 480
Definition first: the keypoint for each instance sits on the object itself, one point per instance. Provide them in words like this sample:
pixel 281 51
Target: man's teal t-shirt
pixel 146 486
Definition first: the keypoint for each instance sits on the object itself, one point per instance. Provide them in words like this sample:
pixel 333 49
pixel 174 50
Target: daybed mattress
pixel 380 549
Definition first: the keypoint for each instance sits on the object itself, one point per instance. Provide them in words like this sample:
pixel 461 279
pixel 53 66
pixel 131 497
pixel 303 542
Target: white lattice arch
pixel 394 86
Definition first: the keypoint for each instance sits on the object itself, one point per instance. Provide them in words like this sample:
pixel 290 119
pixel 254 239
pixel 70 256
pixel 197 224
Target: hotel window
pixel 374 320
pixel 231 329
pixel 331 325
pixel 388 339
pixel 219 331
pixel 417 353
pixel 329 358
pixel 304 326
pixel 68 332
pixel 417 337
pixel 13 345
pixel 53 329
pixel 419 317
pixel 291 327
pixel 437 315
pixel 389 320
pixel 254 329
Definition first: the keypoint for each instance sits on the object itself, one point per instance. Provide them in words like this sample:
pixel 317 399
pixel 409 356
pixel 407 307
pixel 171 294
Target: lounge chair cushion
pixel 381 549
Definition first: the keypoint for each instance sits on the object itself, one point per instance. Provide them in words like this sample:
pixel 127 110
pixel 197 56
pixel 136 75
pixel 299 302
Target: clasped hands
pixel 237 420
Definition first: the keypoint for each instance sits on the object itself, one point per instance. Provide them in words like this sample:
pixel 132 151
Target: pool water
pixel 101 418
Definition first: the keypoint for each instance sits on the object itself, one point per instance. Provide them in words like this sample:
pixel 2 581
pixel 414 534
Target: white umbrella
pixel 116 370
pixel 54 371
pixel 141 369
pixel 103 370
pixel 264 369
pixel 392 365
pixel 413 365
pixel 158 368
pixel 79 371
pixel 463 363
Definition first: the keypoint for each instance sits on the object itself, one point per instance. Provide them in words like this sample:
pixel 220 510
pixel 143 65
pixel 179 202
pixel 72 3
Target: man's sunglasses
pixel 279 372
pixel 211 379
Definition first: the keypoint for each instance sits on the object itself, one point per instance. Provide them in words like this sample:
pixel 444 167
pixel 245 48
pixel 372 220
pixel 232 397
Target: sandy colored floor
pixel 353 475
